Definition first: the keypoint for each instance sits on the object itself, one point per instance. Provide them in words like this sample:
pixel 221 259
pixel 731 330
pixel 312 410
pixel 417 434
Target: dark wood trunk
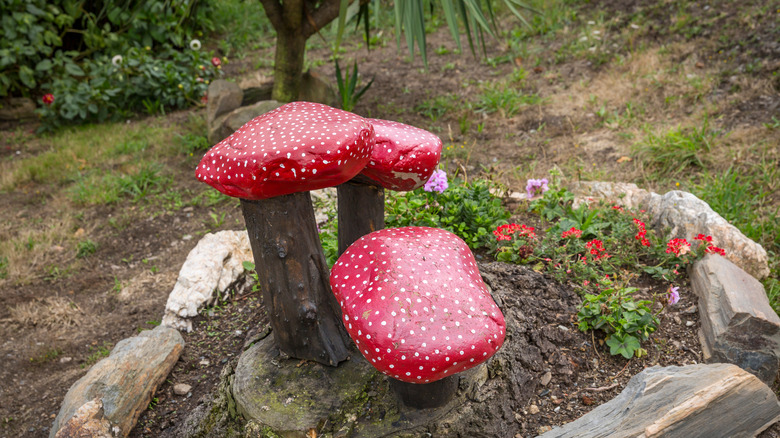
pixel 361 210
pixel 426 395
pixel 294 278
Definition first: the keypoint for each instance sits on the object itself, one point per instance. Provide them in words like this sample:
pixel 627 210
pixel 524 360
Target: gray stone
pixel 215 264
pixel 626 194
pixel 223 97
pixel 685 216
pixel 17 108
pixel 314 88
pixel 88 421
pixel 719 400
pixel 737 323
pixel 228 123
pixel 240 116
pixel 181 389
pixel 125 381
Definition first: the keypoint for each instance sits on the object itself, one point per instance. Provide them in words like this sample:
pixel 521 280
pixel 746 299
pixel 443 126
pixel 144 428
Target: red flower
pixel 703 238
pixel 678 247
pixel 640 235
pixel 505 232
pixel 712 249
pixel 573 232
pixel 596 248
pixel 216 62
pixel 48 98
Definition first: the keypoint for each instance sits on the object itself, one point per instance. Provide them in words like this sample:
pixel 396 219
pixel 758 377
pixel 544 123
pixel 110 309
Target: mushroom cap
pixel 414 303
pixel 404 157
pixel 298 147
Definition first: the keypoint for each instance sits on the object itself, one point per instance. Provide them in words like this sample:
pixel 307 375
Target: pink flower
pixel 216 62
pixel 48 98
pixel 437 182
pixel 672 295
pixel 535 186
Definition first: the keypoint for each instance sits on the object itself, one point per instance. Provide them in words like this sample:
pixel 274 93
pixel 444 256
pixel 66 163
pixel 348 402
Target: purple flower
pixel 535 186
pixel 673 296
pixel 437 182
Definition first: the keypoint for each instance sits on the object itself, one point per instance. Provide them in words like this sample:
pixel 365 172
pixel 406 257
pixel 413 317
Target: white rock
pixel 626 194
pixel 215 263
pixel 181 389
pixel 686 216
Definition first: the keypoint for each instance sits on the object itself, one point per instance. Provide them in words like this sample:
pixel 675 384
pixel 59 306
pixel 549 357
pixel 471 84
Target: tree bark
pixel 361 210
pixel 288 67
pixel 294 278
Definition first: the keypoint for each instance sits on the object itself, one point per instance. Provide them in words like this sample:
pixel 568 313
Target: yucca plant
pixel 348 87
pixel 295 22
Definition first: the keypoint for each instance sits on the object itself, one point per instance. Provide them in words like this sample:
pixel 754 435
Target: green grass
pixel 743 197
pixel 85 248
pixel 437 107
pixel 503 99
pixel 668 154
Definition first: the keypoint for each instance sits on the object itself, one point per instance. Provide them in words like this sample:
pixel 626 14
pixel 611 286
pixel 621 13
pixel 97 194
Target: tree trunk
pixel 288 67
pixel 361 210
pixel 294 278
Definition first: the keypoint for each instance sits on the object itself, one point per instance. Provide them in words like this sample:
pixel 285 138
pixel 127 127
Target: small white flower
pixel 195 44
pixel 116 60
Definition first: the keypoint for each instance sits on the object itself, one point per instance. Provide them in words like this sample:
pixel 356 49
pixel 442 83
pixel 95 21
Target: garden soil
pixel 54 326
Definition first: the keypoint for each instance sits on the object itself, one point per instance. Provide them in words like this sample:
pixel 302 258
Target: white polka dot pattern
pixel 297 147
pixel 415 305
pixel 404 157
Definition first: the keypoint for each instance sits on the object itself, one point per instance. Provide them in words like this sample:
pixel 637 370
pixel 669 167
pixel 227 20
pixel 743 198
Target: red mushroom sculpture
pixel 403 159
pixel 416 307
pixel 272 163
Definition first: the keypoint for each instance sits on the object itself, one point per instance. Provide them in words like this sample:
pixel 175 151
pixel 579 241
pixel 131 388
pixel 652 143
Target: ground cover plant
pixel 618 85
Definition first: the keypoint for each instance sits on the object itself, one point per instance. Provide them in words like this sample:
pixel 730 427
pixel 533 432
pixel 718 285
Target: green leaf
pixel 27 76
pixel 248 266
pixel 341 23
pixel 624 345
pixel 43 65
pixel 73 69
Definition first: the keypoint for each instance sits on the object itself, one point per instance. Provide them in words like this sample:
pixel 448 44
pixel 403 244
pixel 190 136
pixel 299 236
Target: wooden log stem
pixel 361 210
pixel 426 395
pixel 294 278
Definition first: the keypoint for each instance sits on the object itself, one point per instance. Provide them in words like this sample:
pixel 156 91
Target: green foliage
pixel 40 40
pixel 142 80
pixel 436 107
pixel 85 248
pixel 347 85
pixel 584 245
pixel 97 353
pixel 625 320
pixel 469 210
pixel 679 149
pixel 503 99
pixel 3 268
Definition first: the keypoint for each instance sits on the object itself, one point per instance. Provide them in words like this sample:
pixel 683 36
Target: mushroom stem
pixel 361 210
pixel 293 277
pixel 426 395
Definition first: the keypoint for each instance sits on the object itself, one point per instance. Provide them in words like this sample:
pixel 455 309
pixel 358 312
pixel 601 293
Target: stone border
pixel 738 327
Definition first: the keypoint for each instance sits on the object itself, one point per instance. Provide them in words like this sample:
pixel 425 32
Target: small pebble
pixel 181 389
pixel 533 409
pixel 689 323
pixel 546 378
